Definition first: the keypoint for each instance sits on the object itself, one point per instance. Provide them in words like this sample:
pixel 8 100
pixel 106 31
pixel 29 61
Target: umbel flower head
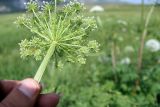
pixel 97 8
pixel 153 45
pixel 126 61
pixel 60 34
pixel 65 30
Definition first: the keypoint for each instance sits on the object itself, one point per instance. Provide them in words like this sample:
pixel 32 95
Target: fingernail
pixel 29 88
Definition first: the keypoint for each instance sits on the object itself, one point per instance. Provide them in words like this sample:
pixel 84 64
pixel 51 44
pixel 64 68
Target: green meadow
pixel 98 83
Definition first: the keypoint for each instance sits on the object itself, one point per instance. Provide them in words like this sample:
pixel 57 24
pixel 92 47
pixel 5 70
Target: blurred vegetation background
pixel 108 79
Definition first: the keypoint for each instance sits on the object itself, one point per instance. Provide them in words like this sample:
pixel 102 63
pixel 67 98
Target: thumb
pixel 23 95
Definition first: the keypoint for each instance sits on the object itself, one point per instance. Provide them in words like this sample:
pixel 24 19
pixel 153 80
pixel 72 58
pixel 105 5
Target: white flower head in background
pixel 126 61
pixel 97 8
pixel 158 60
pixel 123 22
pixel 120 38
pixel 129 49
pixel 153 45
pixel 104 59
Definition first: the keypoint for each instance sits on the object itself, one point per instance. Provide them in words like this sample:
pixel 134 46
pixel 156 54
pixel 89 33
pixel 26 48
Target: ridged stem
pixel 44 63
pixel 113 54
pixel 55 3
pixel 142 13
pixel 141 49
pixel 144 34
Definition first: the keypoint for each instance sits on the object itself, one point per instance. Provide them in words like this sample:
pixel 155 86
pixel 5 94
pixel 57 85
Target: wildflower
pixel 153 45
pixel 60 34
pixel 97 9
pixel 123 22
pixel 158 61
pixel 104 59
pixel 129 49
pixel 120 38
pixel 126 61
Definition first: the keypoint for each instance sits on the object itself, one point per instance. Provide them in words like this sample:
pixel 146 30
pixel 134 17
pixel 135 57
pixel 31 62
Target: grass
pixel 13 67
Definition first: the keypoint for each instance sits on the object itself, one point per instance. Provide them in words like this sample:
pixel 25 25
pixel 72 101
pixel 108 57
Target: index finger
pixel 6 87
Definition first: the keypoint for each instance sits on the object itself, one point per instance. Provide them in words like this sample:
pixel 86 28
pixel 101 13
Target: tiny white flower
pixel 158 61
pixel 124 30
pixel 104 59
pixel 153 45
pixel 120 39
pixel 97 8
pixel 43 2
pixel 129 49
pixel 123 22
pixel 126 61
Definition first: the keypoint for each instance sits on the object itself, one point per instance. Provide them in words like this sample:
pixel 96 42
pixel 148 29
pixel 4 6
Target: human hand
pixel 25 93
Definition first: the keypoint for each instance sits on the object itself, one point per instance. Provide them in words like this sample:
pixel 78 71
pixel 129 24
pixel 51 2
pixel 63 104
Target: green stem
pixel 36 32
pixel 44 63
pixel 113 53
pixel 55 1
pixel 142 13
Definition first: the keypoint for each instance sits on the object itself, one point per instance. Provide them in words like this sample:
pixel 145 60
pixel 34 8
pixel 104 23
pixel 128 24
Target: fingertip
pixel 24 94
pixel 48 100
pixel 7 85
pixel 30 87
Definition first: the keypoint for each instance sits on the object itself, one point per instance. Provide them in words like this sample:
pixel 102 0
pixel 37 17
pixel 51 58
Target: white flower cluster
pixel 158 61
pixel 126 61
pixel 129 49
pixel 153 45
pixel 123 22
pixel 71 3
pixel 97 8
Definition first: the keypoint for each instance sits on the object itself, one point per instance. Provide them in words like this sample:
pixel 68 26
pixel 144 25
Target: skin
pixel 12 96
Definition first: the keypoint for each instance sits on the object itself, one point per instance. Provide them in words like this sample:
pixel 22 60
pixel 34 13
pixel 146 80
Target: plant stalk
pixel 142 13
pixel 55 4
pixel 140 52
pixel 44 63
pixel 113 53
pixel 144 34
